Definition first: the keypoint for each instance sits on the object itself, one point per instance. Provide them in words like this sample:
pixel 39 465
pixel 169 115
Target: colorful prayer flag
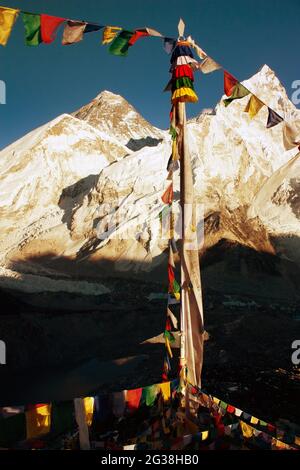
pixel 153 32
pixel 110 33
pixel 254 106
pixel 149 394
pixel 91 28
pixel 273 119
pixel 8 17
pixel 291 135
pixel 168 195
pixel 169 45
pixel 49 26
pixel 73 32
pixel 229 83
pixel 208 65
pixel 165 390
pixel 239 92
pixel 32 25
pixel 172 318
pixel 38 420
pixel 133 398
pixel 88 403
pixel 120 44
pixel 138 33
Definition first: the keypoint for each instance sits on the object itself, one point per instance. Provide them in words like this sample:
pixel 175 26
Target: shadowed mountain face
pixel 81 244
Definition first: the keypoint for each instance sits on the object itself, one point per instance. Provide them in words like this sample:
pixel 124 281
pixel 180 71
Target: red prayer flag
pixel 49 25
pixel 133 398
pixel 167 197
pixel 137 35
pixel 229 83
pixel 171 277
pixel 230 409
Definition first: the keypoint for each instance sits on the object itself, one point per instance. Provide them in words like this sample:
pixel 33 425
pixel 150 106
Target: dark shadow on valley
pixel 59 343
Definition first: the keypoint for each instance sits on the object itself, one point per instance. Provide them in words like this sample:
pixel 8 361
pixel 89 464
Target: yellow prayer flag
pixel 204 435
pixel 254 420
pixel 165 389
pixel 177 295
pixel 8 17
pixel 88 403
pixel 253 107
pixel 169 348
pixel 38 421
pixel 247 430
pixel 109 34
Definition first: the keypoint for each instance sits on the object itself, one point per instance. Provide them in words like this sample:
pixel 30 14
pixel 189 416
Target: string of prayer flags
pixel 32 25
pixel 229 83
pixel 239 92
pixel 8 17
pixel 120 44
pixel 38 420
pixel 208 65
pixel 73 32
pixel 109 34
pixel 49 27
pixel 273 119
pixel 254 106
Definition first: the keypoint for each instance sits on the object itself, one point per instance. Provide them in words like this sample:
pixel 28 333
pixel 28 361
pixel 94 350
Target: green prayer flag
pixel 149 395
pixel 239 92
pixel 176 286
pixel 183 82
pixel 173 132
pixel 169 335
pixel 120 44
pixel 32 24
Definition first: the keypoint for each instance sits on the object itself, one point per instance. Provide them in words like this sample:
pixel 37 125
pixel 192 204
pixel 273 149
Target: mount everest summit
pixel 68 181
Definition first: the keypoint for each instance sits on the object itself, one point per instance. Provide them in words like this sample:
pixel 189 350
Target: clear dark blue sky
pixel 45 81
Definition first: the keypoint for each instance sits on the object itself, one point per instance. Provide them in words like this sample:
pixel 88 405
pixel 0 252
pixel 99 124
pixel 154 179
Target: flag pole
pixel 191 307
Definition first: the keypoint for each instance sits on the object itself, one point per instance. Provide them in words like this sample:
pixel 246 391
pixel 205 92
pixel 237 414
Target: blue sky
pixel 48 80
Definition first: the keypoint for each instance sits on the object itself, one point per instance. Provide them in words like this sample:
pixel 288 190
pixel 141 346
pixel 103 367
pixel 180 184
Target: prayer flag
pixel 239 92
pixel 133 399
pixel 273 118
pixel 138 33
pixel 120 44
pixel 254 106
pixel 32 25
pixel 49 26
pixel 91 28
pixel 291 135
pixel 38 420
pixel 229 83
pixel 168 195
pixel 208 65
pixel 73 32
pixel 165 390
pixel 110 33
pixel 8 17
pixel 169 45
